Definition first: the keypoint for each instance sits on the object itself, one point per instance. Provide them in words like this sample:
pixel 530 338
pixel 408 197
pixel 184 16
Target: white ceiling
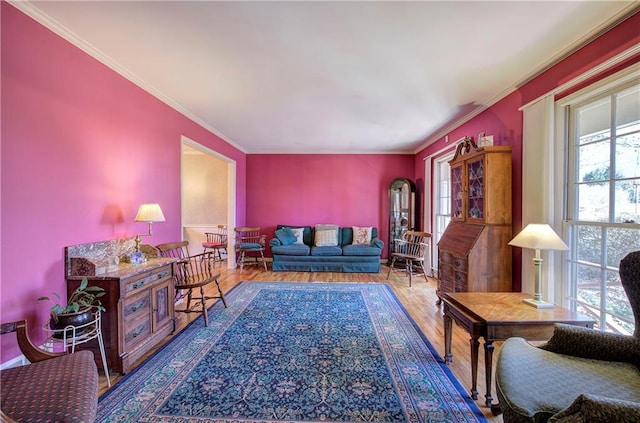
pixel 328 77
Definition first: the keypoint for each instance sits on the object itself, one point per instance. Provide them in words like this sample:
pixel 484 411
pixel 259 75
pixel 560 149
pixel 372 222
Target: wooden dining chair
pixel 217 242
pixel 250 244
pixel 191 273
pixel 411 250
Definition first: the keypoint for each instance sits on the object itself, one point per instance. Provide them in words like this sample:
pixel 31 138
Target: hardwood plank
pixel 419 301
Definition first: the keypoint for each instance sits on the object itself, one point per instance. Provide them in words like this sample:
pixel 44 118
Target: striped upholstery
pixel 61 389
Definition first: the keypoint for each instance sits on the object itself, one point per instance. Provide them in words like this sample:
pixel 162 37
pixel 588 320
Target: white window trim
pixel 544 147
pixel 429 210
pixel 561 110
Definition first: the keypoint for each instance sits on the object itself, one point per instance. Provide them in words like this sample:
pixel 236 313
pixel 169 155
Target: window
pixel 603 201
pixel 442 200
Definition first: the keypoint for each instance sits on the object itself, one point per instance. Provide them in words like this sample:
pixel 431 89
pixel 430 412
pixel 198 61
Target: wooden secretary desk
pixel 473 253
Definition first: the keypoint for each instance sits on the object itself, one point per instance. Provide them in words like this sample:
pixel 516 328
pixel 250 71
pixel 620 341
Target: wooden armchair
pixel 412 250
pixel 250 243
pixel 57 387
pixel 193 272
pixel 217 242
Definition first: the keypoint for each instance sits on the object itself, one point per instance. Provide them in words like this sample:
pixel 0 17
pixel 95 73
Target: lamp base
pixel 538 303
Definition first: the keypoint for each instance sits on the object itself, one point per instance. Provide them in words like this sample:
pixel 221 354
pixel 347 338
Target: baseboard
pixel 21 360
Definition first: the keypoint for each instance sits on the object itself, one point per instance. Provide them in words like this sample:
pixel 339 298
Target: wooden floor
pixel 419 301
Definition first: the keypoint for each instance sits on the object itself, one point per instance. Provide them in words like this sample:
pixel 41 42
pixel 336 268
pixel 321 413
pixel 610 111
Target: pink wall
pixel 504 120
pixel 347 190
pixel 82 148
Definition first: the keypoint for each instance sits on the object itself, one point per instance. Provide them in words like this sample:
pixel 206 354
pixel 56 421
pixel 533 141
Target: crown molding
pixel 36 14
pixel 624 14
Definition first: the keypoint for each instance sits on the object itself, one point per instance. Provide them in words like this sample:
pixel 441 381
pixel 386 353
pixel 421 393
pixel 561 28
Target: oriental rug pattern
pixel 297 352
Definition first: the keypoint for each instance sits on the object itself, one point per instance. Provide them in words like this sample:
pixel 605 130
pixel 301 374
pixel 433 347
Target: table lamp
pixel 148 212
pixel 538 237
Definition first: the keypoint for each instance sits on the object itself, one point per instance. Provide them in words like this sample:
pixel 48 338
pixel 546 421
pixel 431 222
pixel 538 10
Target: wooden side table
pixel 496 316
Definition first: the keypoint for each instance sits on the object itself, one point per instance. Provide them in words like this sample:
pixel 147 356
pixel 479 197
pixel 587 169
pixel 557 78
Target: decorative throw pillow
pixel 326 238
pixel 299 234
pixel 362 235
pixel 286 236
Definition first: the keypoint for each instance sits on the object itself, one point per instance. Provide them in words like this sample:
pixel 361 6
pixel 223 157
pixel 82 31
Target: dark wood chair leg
pixel 204 307
pixel 393 262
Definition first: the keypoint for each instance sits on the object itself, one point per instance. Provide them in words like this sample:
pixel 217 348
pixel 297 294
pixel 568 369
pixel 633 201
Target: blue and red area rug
pixel 295 352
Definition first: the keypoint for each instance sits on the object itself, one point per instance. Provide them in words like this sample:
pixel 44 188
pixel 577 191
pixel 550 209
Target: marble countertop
pixel 126 270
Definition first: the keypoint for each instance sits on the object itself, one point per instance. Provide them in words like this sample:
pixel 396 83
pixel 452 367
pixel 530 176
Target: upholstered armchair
pixel 580 375
pixel 55 387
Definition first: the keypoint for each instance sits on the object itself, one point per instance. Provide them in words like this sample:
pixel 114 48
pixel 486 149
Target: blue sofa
pixel 344 257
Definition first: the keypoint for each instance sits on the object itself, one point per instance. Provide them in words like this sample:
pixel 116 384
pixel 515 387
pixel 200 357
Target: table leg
pixel 448 327
pixel 488 366
pixel 475 345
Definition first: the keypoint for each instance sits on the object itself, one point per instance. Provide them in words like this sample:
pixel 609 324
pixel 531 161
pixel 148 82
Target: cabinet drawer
pixel 445 257
pixel 445 272
pixel 460 278
pixel 136 306
pixel 143 280
pixel 136 332
pixel 445 285
pixel 460 263
pixel 460 281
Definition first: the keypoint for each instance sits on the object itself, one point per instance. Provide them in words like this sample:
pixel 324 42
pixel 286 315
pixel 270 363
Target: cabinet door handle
pixel 138 284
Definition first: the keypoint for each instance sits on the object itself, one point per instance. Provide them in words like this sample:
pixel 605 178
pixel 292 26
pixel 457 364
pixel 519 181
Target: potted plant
pixel 77 311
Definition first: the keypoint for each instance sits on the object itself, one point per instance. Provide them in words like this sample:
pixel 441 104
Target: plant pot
pixel 63 320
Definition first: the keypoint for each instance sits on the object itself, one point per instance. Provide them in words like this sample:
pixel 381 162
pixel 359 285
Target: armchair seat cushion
pixel 534 384
pixel 61 389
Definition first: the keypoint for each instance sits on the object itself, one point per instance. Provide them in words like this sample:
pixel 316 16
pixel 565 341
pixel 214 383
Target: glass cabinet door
pixel 475 190
pixel 401 209
pixel 457 193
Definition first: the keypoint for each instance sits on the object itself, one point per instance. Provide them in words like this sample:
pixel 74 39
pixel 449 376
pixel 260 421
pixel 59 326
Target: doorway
pixel 208 194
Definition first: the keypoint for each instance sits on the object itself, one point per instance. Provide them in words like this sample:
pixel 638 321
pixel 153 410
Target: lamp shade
pixel 538 236
pixel 150 212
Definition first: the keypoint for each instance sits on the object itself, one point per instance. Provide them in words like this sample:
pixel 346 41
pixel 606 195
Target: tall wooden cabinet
pixel 473 254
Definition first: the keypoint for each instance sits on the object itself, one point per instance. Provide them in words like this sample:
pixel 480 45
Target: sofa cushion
pixel 326 238
pixel 307 237
pixel 291 250
pixel 286 236
pixel 360 250
pixel 299 234
pixel 362 235
pixel 346 235
pixel 327 250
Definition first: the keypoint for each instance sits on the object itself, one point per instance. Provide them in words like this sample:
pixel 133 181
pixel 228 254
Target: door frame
pixel 231 191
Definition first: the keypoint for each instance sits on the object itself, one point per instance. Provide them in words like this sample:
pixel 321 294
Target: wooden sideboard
pixel 139 302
